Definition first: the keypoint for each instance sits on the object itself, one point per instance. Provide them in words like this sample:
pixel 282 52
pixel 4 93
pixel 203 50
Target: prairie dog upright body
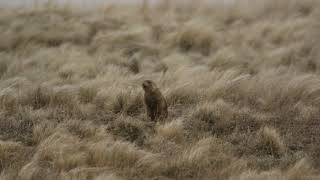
pixel 156 105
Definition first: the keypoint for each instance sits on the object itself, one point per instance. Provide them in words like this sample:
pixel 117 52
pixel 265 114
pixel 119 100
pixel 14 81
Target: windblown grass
pixel 241 80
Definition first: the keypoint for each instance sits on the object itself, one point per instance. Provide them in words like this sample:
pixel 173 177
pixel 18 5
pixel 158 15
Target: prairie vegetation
pixel 241 80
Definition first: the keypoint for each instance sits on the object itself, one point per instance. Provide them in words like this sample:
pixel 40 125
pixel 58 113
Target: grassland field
pixel 242 82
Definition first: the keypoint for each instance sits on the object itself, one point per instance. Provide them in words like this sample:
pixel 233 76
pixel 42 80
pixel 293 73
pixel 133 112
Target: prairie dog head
pixel 149 86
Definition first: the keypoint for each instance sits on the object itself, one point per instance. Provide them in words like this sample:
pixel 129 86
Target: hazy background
pixel 82 2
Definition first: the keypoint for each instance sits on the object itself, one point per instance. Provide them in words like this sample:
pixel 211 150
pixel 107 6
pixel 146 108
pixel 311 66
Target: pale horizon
pixel 83 2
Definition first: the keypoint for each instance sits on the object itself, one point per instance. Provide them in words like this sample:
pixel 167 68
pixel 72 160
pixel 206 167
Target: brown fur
pixel 156 105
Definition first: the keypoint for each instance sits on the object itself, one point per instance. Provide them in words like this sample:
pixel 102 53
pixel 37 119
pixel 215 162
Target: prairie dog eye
pixel 145 84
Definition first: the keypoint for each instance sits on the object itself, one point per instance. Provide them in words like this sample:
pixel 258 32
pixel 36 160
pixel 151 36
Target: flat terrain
pixel 242 82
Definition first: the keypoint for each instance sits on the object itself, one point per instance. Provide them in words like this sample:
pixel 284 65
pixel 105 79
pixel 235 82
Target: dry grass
pixel 241 80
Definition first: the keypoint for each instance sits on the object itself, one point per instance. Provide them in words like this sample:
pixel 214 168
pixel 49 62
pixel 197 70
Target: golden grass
pixel 241 80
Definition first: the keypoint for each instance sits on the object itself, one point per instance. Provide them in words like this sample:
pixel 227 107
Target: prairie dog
pixel 156 105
